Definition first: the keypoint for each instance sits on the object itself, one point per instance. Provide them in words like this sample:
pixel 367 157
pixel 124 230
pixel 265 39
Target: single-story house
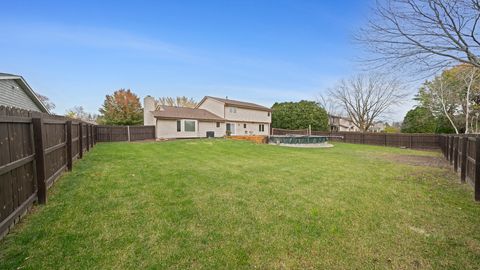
pixel 212 116
pixel 15 92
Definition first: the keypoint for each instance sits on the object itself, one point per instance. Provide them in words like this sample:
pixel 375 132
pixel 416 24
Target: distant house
pixel 15 92
pixel 377 127
pixel 341 124
pixel 213 116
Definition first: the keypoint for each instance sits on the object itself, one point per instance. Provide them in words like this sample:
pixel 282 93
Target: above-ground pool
pixel 299 140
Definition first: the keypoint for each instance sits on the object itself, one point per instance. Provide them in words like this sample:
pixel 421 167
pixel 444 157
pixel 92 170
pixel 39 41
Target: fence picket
pixel 455 153
pixel 477 169
pixel 69 146
pixel 40 160
pixel 463 159
pixel 35 149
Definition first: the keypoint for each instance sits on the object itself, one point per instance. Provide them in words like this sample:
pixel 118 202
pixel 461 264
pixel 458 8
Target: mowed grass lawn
pixel 217 204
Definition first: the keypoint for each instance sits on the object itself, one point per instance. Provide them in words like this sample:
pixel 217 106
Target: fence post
pixel 88 136
pixel 92 141
pixel 40 160
pixel 385 139
pixel 446 147
pixel 477 169
pixel 94 137
pixel 463 158
pixel 450 152
pixel 69 145
pixel 455 154
pixel 128 133
pixel 91 136
pixel 80 140
pixel 444 144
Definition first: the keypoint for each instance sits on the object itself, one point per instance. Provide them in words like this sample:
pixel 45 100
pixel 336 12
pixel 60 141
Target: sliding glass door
pixel 231 128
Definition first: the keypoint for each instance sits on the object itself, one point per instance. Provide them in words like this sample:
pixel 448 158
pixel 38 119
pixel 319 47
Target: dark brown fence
pixel 463 152
pixel 124 133
pixel 35 149
pixel 418 141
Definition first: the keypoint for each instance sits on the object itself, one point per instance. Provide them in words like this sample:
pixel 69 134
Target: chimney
pixel 148 107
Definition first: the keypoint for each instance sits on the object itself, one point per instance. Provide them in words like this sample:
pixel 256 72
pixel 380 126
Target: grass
pixel 209 204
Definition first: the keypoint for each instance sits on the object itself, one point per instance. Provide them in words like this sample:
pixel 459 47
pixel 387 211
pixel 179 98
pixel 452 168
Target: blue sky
pixel 76 52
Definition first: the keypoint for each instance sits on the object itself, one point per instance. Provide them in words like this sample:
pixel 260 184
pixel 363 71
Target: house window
pixel 244 125
pixel 233 109
pixel 218 124
pixel 179 125
pixel 189 125
pixel 261 127
pixel 268 113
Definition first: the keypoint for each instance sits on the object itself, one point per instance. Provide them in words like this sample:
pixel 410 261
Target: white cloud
pixel 82 36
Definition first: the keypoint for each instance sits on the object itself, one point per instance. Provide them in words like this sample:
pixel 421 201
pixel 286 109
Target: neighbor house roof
pixel 169 112
pixel 28 90
pixel 237 103
pixel 340 117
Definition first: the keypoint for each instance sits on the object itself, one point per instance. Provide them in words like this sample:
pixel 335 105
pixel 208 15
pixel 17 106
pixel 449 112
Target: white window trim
pixel 182 125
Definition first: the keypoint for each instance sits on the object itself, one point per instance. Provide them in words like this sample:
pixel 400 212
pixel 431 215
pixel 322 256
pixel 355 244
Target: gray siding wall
pixel 16 96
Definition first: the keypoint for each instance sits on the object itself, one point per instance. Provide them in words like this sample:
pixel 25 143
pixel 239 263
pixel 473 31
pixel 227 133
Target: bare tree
pixel 78 112
pixel 453 94
pixel 177 102
pixel 366 97
pixel 470 77
pixel 328 104
pixel 429 34
pixel 46 101
pixel 441 91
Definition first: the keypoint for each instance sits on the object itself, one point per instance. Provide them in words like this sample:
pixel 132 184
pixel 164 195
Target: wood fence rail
pixel 35 149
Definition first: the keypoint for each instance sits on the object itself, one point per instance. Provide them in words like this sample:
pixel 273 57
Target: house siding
pixel 213 106
pixel 16 96
pixel 211 126
pixel 247 115
pixel 167 129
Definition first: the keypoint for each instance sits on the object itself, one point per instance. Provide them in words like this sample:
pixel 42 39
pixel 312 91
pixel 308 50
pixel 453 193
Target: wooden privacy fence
pixel 35 149
pixel 418 141
pixel 124 133
pixel 463 152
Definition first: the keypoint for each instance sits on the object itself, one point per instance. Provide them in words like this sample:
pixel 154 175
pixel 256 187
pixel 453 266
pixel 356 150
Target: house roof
pixel 28 90
pixel 340 117
pixel 169 112
pixel 237 103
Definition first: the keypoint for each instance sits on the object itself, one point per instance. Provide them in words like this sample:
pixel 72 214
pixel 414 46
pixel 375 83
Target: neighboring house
pixel 15 92
pixel 340 124
pixel 216 116
pixel 377 127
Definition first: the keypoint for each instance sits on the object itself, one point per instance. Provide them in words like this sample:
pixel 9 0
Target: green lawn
pixel 209 204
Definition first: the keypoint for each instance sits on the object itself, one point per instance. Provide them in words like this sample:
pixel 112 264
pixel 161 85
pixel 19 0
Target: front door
pixel 231 128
